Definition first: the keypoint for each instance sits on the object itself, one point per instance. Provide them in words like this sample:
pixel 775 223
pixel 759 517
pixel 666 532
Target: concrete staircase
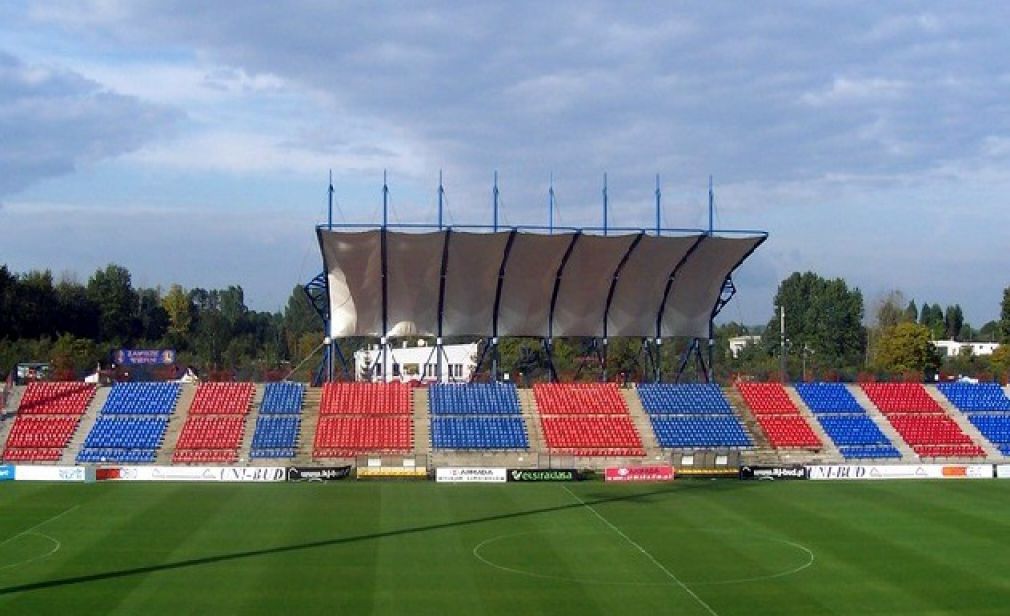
pixel 829 451
pixel 307 431
pixel 9 414
pixel 187 392
pixel 84 426
pixel 531 417
pixel 763 452
pixel 991 452
pixel 642 424
pixel 422 422
pixel 907 455
pixel 249 429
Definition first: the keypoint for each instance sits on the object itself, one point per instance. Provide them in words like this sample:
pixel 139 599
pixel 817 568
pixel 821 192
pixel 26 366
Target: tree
pixel 911 312
pixel 1000 359
pixel 1004 317
pixel 111 290
pixel 823 316
pixel 953 321
pixel 889 311
pixel 932 318
pixel 179 310
pixel 907 347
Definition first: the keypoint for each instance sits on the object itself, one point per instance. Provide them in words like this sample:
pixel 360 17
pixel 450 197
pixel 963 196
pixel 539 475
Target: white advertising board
pixel 900 471
pixel 1003 471
pixel 200 473
pixel 50 473
pixel 470 475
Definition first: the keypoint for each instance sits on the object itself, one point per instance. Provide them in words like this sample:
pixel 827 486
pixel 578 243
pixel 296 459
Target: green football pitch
pixel 687 547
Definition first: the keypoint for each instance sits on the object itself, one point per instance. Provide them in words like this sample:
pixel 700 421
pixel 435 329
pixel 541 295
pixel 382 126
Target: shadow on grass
pixel 597 499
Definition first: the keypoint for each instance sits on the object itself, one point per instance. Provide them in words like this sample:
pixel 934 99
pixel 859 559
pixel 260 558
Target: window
pixel 396 369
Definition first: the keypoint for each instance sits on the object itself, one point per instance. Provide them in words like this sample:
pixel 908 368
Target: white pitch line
pixel 645 552
pixel 38 526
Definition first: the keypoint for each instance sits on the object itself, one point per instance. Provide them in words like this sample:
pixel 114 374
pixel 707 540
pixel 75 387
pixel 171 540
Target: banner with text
pixel 900 471
pixel 318 473
pixel 553 474
pixel 639 473
pixel 194 473
pixel 6 472
pixel 139 357
pixel 391 472
pixel 773 472
pixel 50 473
pixel 470 475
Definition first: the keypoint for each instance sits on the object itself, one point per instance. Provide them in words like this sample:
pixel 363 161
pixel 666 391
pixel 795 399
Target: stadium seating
pixel 132 423
pixel 213 431
pixel 778 416
pixel 976 397
pixel 275 436
pixel 921 421
pixel 479 433
pixel 845 421
pixel 47 418
pixel 473 399
pixel 222 399
pixel 141 399
pixel 347 436
pixel 365 399
pixel 579 398
pixel 686 399
pixel 278 425
pixel 586 419
pixel 694 415
pixel 282 399
pixel 363 418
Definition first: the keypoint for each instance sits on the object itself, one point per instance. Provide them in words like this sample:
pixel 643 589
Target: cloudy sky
pixel 191 141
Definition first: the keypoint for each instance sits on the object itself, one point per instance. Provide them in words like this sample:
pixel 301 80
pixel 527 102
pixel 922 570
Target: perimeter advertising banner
pixel 553 474
pixel 470 475
pixel 318 473
pixel 194 473
pixel 147 357
pixel 6 472
pixel 639 473
pixel 50 473
pixel 1003 471
pixel 773 472
pixel 900 471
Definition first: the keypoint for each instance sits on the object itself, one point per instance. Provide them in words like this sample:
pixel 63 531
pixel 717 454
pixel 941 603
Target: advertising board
pixel 1003 471
pixel 390 472
pixel 318 473
pixel 773 472
pixel 900 471
pixel 194 473
pixel 50 473
pixel 552 474
pixel 639 473
pixel 6 472
pixel 140 357
pixel 470 475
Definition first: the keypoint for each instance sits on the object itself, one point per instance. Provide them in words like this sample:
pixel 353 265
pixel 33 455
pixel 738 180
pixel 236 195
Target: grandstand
pixel 692 416
pixel 364 418
pixel 47 417
pixel 132 423
pixel 987 407
pixel 586 420
pixel 921 421
pixel 778 416
pixel 477 416
pixel 279 421
pixel 845 421
pixel 215 425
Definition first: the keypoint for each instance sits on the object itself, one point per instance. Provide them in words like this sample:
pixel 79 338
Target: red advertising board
pixel 639 473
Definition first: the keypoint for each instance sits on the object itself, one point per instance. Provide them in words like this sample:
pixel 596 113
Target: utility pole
pixel 782 343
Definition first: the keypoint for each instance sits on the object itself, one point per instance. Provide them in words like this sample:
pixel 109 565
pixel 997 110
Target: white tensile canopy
pixel 513 283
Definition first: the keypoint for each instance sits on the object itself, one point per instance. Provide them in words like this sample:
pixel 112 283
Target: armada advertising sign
pixel 318 473
pixel 900 471
pixel 773 472
pixel 1002 471
pixel 639 473
pixel 470 475
pixel 554 474
pixel 149 357
pixel 6 472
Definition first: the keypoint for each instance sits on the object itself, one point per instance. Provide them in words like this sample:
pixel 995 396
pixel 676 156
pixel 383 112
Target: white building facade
pixel 419 363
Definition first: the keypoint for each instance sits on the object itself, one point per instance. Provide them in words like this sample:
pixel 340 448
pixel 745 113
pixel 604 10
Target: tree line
pixel 76 325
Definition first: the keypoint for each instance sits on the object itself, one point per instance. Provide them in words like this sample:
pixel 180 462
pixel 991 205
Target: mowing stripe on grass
pixel 38 526
pixel 645 552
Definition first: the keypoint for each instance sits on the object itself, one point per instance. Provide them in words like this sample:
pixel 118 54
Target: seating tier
pixel 591 435
pixel 479 433
pixel 366 399
pixel 788 431
pixel 976 397
pixel 141 399
pixel 60 398
pixel 685 399
pixel 932 435
pixel 222 399
pixel 344 436
pixel 473 399
pixel 766 398
pixel 275 436
pixel 579 398
pixel 901 398
pixel 687 431
pixel 282 399
pixel 824 398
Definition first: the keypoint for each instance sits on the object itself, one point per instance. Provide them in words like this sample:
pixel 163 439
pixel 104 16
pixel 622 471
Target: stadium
pixel 600 496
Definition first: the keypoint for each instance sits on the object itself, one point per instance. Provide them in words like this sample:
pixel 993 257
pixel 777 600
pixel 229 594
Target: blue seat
pixel 142 399
pixel 683 399
pixel 976 397
pixel 686 431
pixel 284 398
pixel 869 451
pixel 473 399
pixel 275 436
pixel 824 398
pixel 478 433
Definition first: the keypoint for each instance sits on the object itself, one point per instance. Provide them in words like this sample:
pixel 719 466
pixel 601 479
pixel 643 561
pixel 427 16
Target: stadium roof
pixel 515 283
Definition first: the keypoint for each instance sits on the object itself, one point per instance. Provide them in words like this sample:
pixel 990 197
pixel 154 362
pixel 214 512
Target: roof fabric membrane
pixel 535 273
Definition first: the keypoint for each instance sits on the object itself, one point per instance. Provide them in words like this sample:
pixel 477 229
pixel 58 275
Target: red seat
pixel 766 398
pixel 344 436
pixel 222 399
pixel 901 398
pixel 366 399
pixel 579 398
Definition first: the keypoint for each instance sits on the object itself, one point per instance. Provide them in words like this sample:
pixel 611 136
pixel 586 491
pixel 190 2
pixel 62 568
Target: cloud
pixel 54 121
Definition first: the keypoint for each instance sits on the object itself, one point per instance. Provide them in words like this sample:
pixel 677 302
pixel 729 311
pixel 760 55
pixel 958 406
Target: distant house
pixel 737 343
pixel 416 363
pixel 952 348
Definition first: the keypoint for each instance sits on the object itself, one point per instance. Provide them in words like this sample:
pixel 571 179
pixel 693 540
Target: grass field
pixel 689 547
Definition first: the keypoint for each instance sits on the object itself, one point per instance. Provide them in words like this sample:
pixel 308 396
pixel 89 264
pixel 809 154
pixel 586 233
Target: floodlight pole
pixel 385 201
pixel 711 207
pixel 604 204
pixel 550 207
pixel 384 340
pixel 441 199
pixel 495 193
pixel 782 343
pixel 329 209
pixel 659 210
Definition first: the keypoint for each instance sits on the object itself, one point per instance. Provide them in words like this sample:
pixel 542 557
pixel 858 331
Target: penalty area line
pixel 644 552
pixel 39 525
